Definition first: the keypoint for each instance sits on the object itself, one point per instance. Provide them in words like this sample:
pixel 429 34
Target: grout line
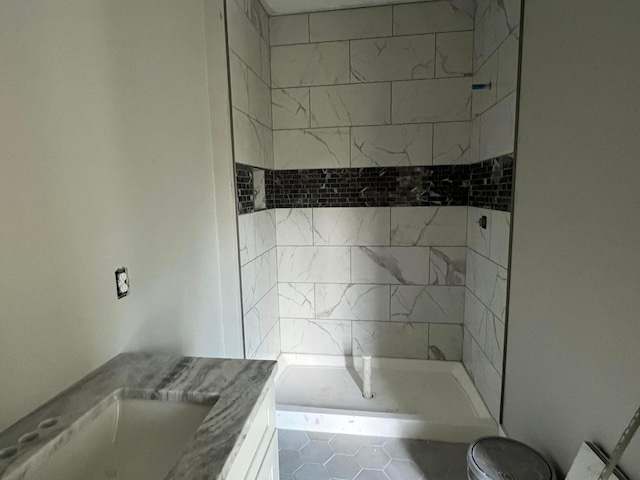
pixel 440 79
pixel 375 125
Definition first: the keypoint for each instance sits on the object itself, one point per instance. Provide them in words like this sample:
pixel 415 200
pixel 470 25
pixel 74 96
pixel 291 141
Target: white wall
pixel 573 358
pixel 106 161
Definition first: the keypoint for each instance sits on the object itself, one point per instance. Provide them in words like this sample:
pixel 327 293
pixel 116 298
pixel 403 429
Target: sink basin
pixel 123 439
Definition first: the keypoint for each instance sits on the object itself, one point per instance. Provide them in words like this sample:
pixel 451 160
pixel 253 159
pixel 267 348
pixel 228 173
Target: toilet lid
pixel 498 458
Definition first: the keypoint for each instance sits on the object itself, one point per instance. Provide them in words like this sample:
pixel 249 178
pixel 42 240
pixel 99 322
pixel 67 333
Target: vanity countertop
pixel 239 384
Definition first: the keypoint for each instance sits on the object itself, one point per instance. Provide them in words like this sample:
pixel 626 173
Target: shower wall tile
pixel 500 235
pixel 391 145
pixel 508 65
pixel 256 14
pixel 486 98
pixel 390 265
pixel 488 281
pixel 350 24
pixel 259 189
pixel 487 380
pixel 451 143
pixel 351 226
pixel 352 302
pixel 290 108
pixel 247 238
pixel 258 277
pixel 498 22
pixel 351 105
pixel 498 128
pixel 447 265
pixel 393 58
pixel 294 226
pixel 289 29
pixel 270 349
pixel 244 39
pixel 427 304
pixel 311 148
pixel 314 264
pixel 432 17
pixel 265 231
pixel 438 100
pixel 297 300
pixel 253 142
pixel 474 141
pixel 446 340
pixel 476 317
pixel 325 337
pixel 265 61
pixel 252 338
pixel 391 339
pixel 478 238
pixel 311 64
pixel 454 54
pixel 494 346
pixel 426 226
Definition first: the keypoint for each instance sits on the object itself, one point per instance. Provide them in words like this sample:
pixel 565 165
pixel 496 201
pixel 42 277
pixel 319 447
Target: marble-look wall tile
pixel 297 300
pixel 257 15
pixel 498 129
pixel 314 264
pixel 478 238
pixel 253 142
pixel 351 105
pixel 447 265
pixel 454 54
pixel 290 108
pixel 311 148
pixel 500 235
pixel 426 304
pixel 324 337
pixel 474 141
pixel 451 143
pixel 259 189
pixel 438 100
pixel 390 265
pixel 498 22
pixel 294 226
pixel 508 65
pixel 267 311
pixel 432 17
pixel 265 230
pixel 252 337
pixel 476 317
pixel 289 29
pixel 270 349
pixel 391 145
pixel 258 277
pixel 312 64
pixel 428 226
pixel 247 238
pixel 244 39
pixel 488 281
pixel 351 226
pixel 445 341
pixel 265 62
pixel 487 380
pixel 391 339
pixel 485 98
pixel 494 347
pixel 352 302
pixel 393 58
pixel 350 23
pixel 481 8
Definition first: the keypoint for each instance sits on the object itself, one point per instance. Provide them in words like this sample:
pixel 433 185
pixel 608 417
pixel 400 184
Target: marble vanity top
pixel 238 386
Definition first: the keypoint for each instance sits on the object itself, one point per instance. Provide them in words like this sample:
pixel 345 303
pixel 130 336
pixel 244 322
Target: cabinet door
pixel 270 469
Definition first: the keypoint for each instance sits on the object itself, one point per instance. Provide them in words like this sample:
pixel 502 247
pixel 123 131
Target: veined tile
pixel 247 238
pixel 481 7
pixel 257 278
pixel 508 65
pixel 478 238
pixel 325 337
pixel 294 226
pixel 269 349
pixel 391 145
pixel 494 347
pixel 259 189
pixel 249 93
pixel 244 39
pixel 447 265
pixel 476 317
pixel 501 19
pixel 352 302
pixel 488 281
pixel 350 23
pixel 289 29
pixel 445 340
pixel 265 62
pixel 474 142
pixel 297 300
pixel 454 54
pixel 451 143
pixel 265 224
pixel 351 105
pixel 391 339
pixel 437 100
pixel 311 148
pixel 486 379
pixel 500 235
pixel 252 141
pixel 485 98
pixel 393 58
pixel 432 17
pixel 314 264
pixel 312 64
pixel 252 338
pixel 467 344
pixel 390 265
pixel 265 313
pixel 351 226
pixel 290 108
pixel 427 304
pixel 498 128
pixel 425 226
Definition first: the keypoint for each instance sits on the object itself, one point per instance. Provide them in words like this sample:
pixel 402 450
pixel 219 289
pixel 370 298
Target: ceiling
pixel 283 7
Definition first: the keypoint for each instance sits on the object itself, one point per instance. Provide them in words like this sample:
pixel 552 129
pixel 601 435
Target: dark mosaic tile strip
pixel 244 188
pixel 491 183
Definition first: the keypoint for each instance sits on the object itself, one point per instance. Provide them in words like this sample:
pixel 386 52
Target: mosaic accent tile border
pixel 491 183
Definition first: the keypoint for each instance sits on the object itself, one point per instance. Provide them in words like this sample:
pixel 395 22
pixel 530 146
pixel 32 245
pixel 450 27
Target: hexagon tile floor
pixel 328 456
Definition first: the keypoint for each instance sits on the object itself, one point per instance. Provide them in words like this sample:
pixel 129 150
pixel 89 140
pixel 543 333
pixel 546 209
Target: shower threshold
pixel 422 399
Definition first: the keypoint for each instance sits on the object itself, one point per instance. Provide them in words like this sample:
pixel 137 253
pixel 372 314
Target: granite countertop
pixel 239 384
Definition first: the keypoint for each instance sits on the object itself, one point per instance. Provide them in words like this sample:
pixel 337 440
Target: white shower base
pixel 421 399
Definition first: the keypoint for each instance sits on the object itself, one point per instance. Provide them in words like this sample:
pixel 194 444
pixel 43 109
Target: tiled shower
pixel 374 184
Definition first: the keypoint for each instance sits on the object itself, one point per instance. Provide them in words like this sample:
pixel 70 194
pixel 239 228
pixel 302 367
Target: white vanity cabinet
pixel 258 456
